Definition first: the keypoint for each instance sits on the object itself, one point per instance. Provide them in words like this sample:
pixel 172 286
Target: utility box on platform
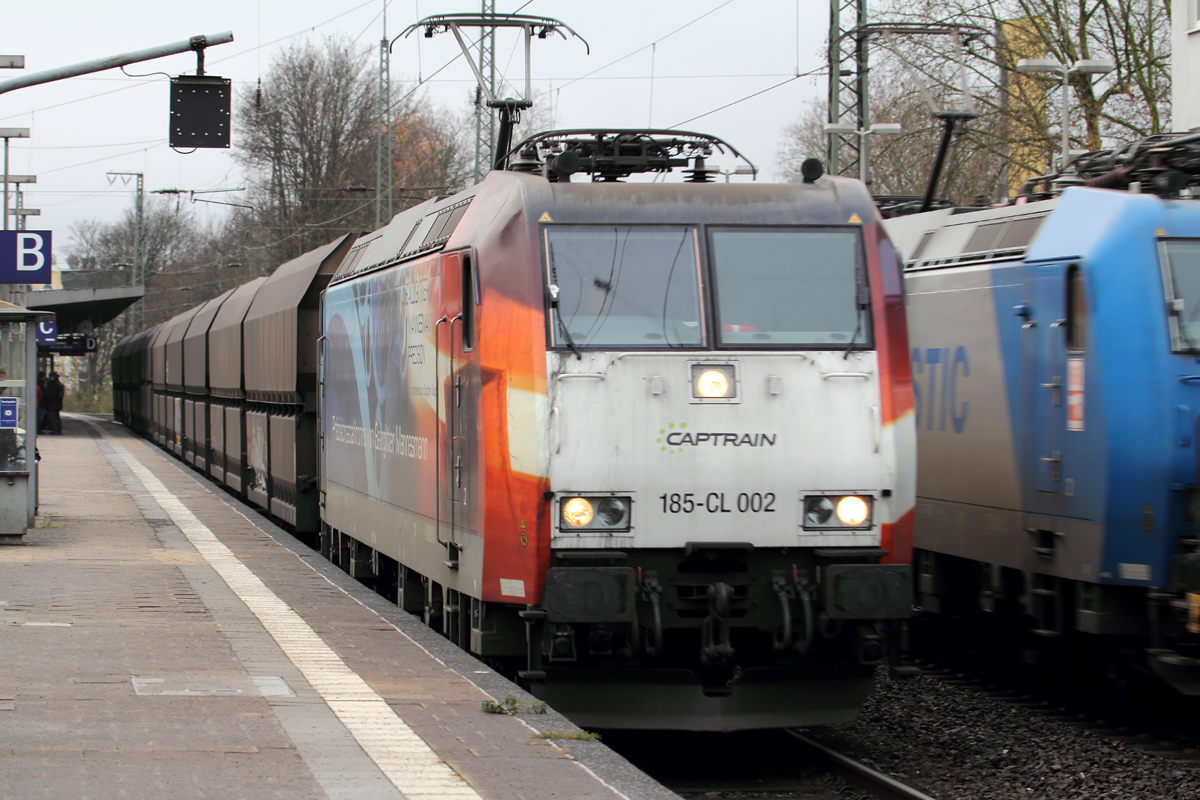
pixel 18 420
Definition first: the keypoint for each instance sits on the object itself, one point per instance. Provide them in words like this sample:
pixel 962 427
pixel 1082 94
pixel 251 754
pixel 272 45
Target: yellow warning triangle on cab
pixel 855 219
pixel 1160 232
pixel 545 217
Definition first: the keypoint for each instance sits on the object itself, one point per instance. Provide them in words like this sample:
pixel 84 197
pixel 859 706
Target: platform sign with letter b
pixel 25 257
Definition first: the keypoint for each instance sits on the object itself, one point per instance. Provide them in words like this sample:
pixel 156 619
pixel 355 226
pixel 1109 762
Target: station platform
pixel 160 639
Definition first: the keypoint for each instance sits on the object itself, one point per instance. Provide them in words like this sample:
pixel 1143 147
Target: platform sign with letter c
pixel 47 332
pixel 25 257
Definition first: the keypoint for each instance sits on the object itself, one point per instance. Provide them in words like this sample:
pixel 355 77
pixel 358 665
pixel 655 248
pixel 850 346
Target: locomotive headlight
pixel 852 511
pixel 595 513
pixel 714 381
pixel 577 512
pixel 837 512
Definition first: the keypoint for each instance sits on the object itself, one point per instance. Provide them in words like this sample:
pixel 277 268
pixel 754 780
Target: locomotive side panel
pixel 898 436
pixel 510 430
pixel 962 403
pixel 990 372
pixel 381 417
pixel 1088 347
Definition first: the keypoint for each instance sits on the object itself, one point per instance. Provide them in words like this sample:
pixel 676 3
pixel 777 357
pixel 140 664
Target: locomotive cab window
pixel 1181 274
pixel 624 287
pixel 1077 310
pixel 790 287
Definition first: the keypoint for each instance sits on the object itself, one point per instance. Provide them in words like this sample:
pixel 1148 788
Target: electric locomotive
pixel 649 442
pixel 648 446
pixel 1055 359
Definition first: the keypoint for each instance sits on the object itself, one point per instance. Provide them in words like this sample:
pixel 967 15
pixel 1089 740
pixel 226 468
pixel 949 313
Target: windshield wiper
pixel 863 304
pixel 552 289
pixel 853 336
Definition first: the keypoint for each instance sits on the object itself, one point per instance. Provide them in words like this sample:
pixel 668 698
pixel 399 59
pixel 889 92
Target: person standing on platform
pixel 41 404
pixel 54 393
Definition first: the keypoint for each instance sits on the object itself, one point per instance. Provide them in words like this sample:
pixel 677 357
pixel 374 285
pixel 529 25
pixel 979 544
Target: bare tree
pixel 178 261
pixel 900 165
pixel 1017 134
pixel 429 150
pixel 1130 103
pixel 308 138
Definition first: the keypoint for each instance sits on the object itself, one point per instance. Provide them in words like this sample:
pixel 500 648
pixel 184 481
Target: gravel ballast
pixel 957 742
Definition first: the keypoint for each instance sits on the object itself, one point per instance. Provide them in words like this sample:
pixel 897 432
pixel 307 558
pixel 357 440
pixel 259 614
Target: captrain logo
pixel 675 437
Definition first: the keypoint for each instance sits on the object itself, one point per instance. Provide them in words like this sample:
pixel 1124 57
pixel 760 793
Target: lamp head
pixel 1093 66
pixel 844 128
pixel 1028 65
pixel 887 128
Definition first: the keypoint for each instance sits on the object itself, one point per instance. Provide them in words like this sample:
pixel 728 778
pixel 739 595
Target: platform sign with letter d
pixel 25 257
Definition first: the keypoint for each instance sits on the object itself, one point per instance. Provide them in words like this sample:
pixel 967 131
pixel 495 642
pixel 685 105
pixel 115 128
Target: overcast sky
pixel 83 128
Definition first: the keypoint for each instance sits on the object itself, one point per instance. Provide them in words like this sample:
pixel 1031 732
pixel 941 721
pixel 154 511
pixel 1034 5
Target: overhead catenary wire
pixel 594 75
pixel 751 96
pixel 645 47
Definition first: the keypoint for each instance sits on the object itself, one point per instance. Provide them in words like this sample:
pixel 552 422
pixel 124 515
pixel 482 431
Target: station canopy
pixel 76 309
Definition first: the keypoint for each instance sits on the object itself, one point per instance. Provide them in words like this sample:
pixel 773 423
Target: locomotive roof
pixel 431 225
pixel 424 228
pixel 1072 225
pixel 829 201
pixel 954 237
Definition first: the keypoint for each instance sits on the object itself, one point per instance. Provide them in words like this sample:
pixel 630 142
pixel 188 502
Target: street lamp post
pixel 10 133
pixel 1084 66
pixel 847 128
pixel 742 169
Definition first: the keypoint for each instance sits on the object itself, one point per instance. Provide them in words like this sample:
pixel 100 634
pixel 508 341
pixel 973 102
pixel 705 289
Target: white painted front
pixel 617 425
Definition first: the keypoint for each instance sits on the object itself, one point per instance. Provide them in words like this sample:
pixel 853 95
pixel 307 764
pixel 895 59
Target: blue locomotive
pixel 1055 347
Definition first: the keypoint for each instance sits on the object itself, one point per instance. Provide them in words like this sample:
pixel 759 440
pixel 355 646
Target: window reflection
pixel 1183 258
pixel 635 287
pixel 790 287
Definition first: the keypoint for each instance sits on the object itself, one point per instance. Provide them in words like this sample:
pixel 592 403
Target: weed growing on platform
pixel 511 705
pixel 586 736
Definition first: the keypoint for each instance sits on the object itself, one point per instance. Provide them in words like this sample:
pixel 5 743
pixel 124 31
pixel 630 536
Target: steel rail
pixel 860 776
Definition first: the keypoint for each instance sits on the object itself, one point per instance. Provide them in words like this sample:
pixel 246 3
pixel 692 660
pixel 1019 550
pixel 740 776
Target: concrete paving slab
pixel 143 571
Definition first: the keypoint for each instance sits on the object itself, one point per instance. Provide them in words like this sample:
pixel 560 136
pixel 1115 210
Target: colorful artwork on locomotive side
pixel 380 401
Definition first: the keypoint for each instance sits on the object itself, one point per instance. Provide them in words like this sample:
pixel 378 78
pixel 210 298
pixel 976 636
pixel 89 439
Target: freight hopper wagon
pixel 132 382
pixel 649 444
pixel 1056 373
pixel 230 387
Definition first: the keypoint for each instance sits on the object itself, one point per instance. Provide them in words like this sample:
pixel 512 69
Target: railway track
pixel 779 764
pixel 857 774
